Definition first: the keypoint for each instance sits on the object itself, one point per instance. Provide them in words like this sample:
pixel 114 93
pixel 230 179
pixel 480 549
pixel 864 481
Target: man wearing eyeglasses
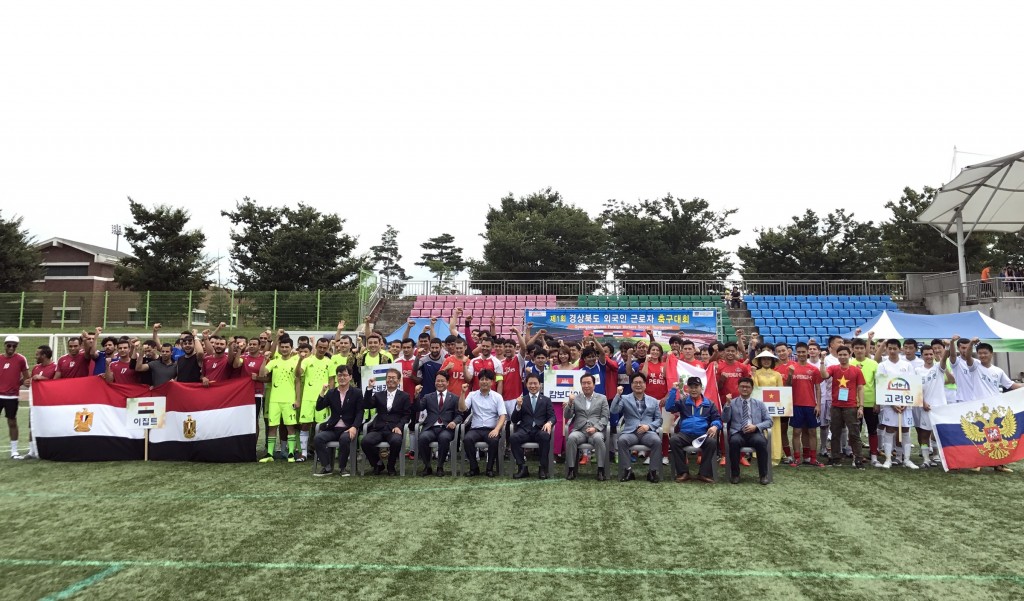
pixel 13 374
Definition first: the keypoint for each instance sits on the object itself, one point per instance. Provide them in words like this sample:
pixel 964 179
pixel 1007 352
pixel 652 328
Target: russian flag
pixel 983 433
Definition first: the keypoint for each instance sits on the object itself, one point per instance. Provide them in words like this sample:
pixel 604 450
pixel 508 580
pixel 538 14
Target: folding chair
pixel 453 450
pixel 480 446
pixel 385 445
pixel 586 446
pixel 352 454
pixel 535 446
pixel 750 450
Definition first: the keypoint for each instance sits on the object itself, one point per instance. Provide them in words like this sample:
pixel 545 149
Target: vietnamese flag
pixel 771 396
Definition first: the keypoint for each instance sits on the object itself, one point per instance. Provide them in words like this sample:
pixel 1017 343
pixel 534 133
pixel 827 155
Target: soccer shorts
pixel 826 412
pixel 921 418
pixel 889 417
pixel 9 407
pixel 281 413
pixel 803 418
pixel 308 413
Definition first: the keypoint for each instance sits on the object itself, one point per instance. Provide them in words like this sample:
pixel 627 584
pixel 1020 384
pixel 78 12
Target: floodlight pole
pixel 960 251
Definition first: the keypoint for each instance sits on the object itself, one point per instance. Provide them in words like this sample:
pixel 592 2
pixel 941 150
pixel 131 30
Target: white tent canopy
pixel 987 197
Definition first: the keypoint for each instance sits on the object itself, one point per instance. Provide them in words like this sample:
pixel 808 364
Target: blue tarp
pixel 441 329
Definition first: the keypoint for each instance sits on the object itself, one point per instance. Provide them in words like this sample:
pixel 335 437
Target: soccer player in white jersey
pixel 893 418
pixel 991 382
pixel 933 379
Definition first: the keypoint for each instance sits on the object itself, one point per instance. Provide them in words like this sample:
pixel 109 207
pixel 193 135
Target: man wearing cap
pixel 746 429
pixel 698 424
pixel 13 373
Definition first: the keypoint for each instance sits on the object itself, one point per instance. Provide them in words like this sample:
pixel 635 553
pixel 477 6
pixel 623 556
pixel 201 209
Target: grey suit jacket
pixel 580 418
pixel 632 417
pixel 758 415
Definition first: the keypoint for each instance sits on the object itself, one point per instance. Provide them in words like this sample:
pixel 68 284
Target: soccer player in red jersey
pixel 730 370
pixel 805 380
pixel 847 405
pixel 783 366
pixel 75 364
pixel 455 365
pixel 13 373
pixel 218 359
pixel 688 350
pixel 484 361
pixel 250 364
pixel 122 369
pixel 45 368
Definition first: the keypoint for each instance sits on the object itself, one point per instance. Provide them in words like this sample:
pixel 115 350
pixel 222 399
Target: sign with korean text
pixel 146 412
pixel 559 384
pixel 778 400
pixel 699 325
pixel 378 374
pixel 899 390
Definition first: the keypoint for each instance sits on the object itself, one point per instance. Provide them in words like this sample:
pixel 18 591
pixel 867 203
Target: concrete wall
pixel 1011 312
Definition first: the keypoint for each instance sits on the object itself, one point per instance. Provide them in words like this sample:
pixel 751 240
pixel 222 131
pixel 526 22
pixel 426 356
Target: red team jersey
pixel 251 364
pixel 845 379
pixel 729 378
pixel 479 364
pixel 47 371
pixel 805 379
pixel 123 372
pixel 408 384
pixel 11 369
pixel 783 370
pixel 657 383
pixel 74 366
pixel 456 369
pixel 217 368
pixel 512 378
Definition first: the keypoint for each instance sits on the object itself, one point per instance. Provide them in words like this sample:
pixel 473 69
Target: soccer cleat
pixel 794 463
pixel 787 460
pixel 17 456
pixel 816 463
pixel 300 459
pixel 267 459
pixel 887 464
pixel 1003 468
pixel 32 455
pixel 291 458
pixel 585 459
pixel 876 463
pixel 324 472
pixel 721 461
pixel 907 463
pixel 664 460
pixel 647 461
pixel 744 461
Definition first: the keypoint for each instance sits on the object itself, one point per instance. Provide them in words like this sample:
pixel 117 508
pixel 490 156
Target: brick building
pixel 77 267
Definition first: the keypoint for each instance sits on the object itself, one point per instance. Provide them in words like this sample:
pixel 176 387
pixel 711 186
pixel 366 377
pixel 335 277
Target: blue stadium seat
pixel 820 332
pixel 827 306
pixel 814 304
pixel 850 323
pixel 768 339
pixel 773 305
pixel 844 313
pixel 755 314
pixel 789 299
pixel 786 332
pixel 799 313
pixel 802 299
pixel 843 297
pixel 778 313
pixel 792 340
pixel 768 321
pixel 794 322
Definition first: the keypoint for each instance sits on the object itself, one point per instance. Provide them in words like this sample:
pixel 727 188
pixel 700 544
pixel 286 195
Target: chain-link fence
pixel 138 311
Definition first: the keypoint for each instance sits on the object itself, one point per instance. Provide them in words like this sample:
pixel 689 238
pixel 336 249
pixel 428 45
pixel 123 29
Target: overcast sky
pixel 422 114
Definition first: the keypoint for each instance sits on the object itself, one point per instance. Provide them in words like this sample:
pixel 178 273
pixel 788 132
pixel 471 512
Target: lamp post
pixel 117 231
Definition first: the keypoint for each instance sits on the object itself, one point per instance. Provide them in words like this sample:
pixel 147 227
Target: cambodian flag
pixel 983 433
pixel 564 381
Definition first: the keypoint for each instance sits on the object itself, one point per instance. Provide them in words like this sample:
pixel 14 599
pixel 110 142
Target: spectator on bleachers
pixel 736 298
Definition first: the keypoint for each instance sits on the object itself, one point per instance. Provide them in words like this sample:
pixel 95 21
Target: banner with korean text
pixel 573 323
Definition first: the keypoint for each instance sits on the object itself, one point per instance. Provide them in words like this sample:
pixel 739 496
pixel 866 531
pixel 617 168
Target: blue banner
pixel 572 324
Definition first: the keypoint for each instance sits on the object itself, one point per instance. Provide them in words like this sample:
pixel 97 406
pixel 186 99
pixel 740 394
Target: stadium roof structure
pixel 1002 337
pixel 987 197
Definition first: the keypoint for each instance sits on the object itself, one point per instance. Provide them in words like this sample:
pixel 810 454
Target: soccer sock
pixel 270 446
pixel 926 454
pixel 873 443
pixel 32 448
pixel 292 439
pixel 887 445
pixel 813 455
pixel 906 449
pixel 303 442
pixel 14 447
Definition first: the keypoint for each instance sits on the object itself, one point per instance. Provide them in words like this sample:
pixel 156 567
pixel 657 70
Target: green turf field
pixel 196 531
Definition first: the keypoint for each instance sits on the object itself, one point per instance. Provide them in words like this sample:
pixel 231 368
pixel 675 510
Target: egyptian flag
pixel 983 433
pixel 83 419
pixel 215 423
pixel 678 369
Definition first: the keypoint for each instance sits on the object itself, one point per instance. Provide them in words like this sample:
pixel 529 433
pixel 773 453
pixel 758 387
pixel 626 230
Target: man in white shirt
pixel 991 382
pixel 964 367
pixel 488 417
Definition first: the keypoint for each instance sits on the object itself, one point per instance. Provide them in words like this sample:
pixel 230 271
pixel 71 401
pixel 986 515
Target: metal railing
pixel 75 311
pixel 568 288
pixel 975 291
pixel 945 282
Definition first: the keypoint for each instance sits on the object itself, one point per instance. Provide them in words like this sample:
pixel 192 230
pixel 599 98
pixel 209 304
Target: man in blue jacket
pixel 698 417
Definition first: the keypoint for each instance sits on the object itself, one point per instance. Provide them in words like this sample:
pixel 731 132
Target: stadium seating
pixel 506 309
pixel 793 319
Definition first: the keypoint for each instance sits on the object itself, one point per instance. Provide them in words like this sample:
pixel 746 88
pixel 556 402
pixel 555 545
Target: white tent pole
pixel 960 253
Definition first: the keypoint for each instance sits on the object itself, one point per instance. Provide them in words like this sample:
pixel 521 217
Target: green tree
pixel 290 248
pixel 166 255
pixel 443 259
pixel 385 257
pixel 538 236
pixel 810 247
pixel 22 262
pixel 666 236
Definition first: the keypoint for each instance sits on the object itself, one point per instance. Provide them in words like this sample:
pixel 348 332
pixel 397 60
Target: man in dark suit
pixel 393 408
pixel 346 405
pixel 747 424
pixel 534 417
pixel 439 425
